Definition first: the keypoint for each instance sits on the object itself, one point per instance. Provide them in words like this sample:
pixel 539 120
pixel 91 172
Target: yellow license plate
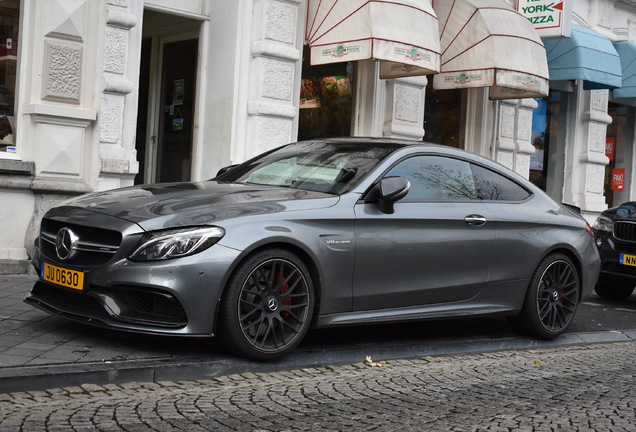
pixel 629 260
pixel 61 276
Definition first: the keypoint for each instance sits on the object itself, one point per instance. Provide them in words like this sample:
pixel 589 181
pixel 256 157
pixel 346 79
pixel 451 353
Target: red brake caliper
pixel 287 301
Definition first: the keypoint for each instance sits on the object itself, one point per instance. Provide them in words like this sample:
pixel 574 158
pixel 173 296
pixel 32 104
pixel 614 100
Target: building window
pixel 9 37
pixel 442 116
pixel 540 141
pixel 326 100
pixel 618 149
pixel 549 126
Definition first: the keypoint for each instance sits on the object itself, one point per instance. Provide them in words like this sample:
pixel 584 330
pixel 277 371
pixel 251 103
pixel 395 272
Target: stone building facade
pixel 111 93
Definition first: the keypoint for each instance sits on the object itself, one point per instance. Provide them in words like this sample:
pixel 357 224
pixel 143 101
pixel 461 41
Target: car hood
pixel 624 211
pixel 186 204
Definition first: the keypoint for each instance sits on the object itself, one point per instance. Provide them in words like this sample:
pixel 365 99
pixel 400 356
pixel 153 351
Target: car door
pixel 435 248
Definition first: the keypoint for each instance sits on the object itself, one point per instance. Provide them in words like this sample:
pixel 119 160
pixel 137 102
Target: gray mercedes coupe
pixel 318 233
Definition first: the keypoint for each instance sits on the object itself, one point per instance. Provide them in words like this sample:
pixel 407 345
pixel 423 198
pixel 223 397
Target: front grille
pixel 612 267
pixel 95 246
pixel 624 230
pixel 622 246
pixel 66 301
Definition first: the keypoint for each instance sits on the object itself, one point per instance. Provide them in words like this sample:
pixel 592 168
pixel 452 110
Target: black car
pixel 615 231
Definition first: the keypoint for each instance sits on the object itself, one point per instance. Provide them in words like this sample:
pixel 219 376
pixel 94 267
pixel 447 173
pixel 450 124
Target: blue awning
pixel 627 52
pixel 587 56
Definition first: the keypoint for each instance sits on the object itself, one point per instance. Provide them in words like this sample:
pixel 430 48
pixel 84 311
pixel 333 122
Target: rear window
pixel 491 186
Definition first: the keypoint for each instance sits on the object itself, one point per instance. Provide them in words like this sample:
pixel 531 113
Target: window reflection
pixel 436 178
pixel 9 36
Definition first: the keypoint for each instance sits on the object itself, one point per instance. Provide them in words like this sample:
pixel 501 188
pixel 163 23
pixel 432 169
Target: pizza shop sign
pixel 550 18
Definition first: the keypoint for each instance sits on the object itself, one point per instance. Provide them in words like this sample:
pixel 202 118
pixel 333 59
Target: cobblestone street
pixel 576 388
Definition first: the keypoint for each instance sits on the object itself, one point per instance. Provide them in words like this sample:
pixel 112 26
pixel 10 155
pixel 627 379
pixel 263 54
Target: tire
pixel 551 300
pixel 268 304
pixel 614 288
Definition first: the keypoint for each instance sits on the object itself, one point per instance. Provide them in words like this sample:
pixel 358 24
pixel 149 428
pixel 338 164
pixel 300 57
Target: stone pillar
pixel 585 153
pixel 404 116
pixel 57 120
pixel 273 81
pixel 118 107
pixel 513 146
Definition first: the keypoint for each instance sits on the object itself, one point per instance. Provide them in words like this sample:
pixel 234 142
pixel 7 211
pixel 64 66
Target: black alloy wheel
pixel 268 306
pixel 551 299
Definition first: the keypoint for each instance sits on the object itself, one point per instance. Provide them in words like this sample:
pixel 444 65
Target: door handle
pixel 475 220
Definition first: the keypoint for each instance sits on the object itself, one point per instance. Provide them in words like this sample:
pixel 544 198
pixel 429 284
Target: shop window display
pixel 9 26
pixel 540 141
pixel 549 127
pixel 442 116
pixel 619 152
pixel 326 100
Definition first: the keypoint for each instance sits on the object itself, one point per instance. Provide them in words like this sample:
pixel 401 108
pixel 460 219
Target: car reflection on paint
pixel 615 230
pixel 318 233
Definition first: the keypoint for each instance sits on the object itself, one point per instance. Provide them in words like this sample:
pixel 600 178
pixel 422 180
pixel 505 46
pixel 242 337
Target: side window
pixel 436 178
pixel 491 186
pixel 9 41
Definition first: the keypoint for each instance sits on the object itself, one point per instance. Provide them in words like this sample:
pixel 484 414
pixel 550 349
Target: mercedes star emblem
pixel 65 242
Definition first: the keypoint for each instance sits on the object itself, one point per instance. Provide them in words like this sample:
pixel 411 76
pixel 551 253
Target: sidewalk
pixel 39 351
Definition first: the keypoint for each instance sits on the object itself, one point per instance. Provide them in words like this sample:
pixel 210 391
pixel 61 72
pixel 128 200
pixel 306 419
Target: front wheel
pixel 267 307
pixel 614 288
pixel 551 299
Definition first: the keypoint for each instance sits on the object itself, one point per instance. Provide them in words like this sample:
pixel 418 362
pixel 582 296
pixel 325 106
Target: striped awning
pixel 403 35
pixel 486 43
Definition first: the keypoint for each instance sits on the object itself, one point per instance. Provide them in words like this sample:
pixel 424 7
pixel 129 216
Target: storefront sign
pixel 412 54
pixel 610 147
pixel 340 50
pixel 463 78
pixel 179 92
pixel 550 18
pixel 618 179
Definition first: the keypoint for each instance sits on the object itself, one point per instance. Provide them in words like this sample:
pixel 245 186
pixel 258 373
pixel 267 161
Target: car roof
pixel 374 140
pixel 396 144
pixel 399 144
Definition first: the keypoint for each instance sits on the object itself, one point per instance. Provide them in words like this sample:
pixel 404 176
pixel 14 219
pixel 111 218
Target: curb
pixel 38 378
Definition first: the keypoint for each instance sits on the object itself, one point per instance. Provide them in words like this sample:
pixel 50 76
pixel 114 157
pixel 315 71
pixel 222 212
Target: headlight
pixel 162 245
pixel 603 223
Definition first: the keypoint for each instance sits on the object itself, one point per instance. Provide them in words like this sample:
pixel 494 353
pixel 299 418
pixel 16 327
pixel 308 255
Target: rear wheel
pixel 614 288
pixel 551 299
pixel 268 304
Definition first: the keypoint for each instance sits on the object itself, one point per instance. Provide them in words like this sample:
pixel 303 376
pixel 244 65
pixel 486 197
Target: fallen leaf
pixel 369 362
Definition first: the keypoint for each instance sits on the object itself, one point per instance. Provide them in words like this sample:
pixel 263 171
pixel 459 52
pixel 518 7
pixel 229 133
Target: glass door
pixel 166 109
pixel 176 110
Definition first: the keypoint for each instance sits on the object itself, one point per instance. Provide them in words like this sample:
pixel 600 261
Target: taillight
pixel 589 230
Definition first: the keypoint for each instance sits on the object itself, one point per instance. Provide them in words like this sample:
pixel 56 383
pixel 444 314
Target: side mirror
pixel 389 191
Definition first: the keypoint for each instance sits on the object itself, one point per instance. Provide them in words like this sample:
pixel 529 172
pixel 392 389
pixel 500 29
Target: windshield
pixel 330 167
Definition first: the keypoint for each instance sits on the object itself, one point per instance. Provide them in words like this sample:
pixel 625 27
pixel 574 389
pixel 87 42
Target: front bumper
pixel 610 251
pixel 172 297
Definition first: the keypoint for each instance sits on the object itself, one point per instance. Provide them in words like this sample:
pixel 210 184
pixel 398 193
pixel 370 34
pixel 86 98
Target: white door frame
pixel 154 98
